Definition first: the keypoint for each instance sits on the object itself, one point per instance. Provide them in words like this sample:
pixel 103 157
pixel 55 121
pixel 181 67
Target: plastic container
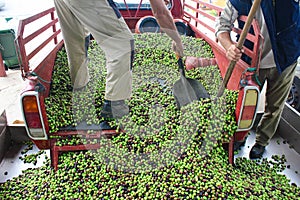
pixel 147 24
pixel 181 26
pixel 8 49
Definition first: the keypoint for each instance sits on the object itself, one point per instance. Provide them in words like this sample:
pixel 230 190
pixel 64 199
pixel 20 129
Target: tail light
pixel 246 107
pixel 33 117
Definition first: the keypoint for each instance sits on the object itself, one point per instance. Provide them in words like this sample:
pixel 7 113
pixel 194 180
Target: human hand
pixel 178 48
pixel 191 62
pixel 233 53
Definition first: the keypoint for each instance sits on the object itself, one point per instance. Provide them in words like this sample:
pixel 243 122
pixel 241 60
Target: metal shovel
pixel 186 89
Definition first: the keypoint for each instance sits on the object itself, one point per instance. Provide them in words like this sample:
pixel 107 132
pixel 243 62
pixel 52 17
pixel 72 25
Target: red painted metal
pixel 176 10
pixel 203 29
pixel 44 75
pixel 202 23
pixel 240 136
pixel 55 150
pixel 21 42
pixel 231 150
pixel 132 16
pixel 42 144
pixel 95 134
pixel 2 67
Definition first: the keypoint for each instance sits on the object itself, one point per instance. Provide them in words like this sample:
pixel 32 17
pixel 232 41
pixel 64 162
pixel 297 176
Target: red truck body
pixel 199 16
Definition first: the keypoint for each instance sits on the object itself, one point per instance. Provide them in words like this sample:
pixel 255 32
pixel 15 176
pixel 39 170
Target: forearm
pixel 225 40
pixel 232 52
pixel 165 19
pixel 224 26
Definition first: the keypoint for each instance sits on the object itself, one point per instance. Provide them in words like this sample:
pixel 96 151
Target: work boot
pixel 105 126
pixel 114 109
pixel 238 144
pixel 257 151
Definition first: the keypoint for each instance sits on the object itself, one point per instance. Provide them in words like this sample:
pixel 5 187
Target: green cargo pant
pixel 278 88
pixel 80 17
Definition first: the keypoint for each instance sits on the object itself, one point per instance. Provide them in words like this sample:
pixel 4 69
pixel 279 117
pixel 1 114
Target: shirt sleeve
pixel 225 21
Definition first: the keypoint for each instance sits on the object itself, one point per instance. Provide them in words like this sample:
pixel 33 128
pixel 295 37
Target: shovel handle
pixel 180 65
pixel 240 43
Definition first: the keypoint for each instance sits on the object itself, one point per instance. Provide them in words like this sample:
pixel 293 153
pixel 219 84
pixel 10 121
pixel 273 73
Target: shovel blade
pixel 187 90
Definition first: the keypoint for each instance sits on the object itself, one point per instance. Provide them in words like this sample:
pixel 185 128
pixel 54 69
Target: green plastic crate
pixel 8 49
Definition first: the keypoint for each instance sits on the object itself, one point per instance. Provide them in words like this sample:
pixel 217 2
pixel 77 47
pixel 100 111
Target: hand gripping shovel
pixel 187 90
pixel 240 43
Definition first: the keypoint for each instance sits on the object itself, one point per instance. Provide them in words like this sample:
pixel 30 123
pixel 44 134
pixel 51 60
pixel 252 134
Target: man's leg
pixel 109 29
pixel 278 88
pixel 115 39
pixel 74 34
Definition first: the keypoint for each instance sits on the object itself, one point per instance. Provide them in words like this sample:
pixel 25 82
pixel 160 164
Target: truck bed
pixel 12 166
pixel 282 144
